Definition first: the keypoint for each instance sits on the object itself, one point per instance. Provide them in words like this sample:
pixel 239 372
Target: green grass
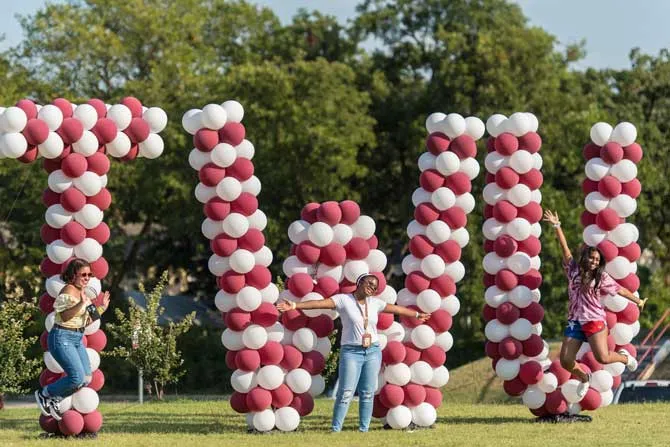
pixel 185 423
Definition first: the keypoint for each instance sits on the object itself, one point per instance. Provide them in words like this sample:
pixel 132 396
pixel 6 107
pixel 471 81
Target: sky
pixel 611 28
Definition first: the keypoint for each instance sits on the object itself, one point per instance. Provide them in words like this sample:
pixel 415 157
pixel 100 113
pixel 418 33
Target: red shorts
pixel 582 331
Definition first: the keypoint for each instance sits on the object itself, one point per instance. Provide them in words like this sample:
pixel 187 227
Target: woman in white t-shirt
pixel 360 354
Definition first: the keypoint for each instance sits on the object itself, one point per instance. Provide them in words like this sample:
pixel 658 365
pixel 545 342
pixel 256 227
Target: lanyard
pixel 365 316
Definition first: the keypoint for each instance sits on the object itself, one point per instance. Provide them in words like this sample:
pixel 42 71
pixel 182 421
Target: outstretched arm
pixel 552 218
pixel 404 311
pixel 629 295
pixel 285 305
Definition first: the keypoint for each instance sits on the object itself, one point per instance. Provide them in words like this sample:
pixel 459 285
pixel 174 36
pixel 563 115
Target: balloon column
pixel 413 368
pixel 512 278
pixel 332 244
pixel 75 142
pixel 611 189
pixel 234 225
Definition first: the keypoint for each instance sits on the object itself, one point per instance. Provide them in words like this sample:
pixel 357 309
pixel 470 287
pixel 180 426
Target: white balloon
pixel 421 372
pixel 433 121
pixel 87 145
pixel 548 383
pixel 428 300
pixel 601 381
pixel 493 263
pixel 336 272
pixel 243 381
pixel 443 198
pixel 399 417
pixel 461 236
pixel 615 369
pixel 287 418
pixel 414 228
pixel 13 120
pixel 57 217
pixel 52 147
pixel 87 115
pixel 624 133
pixel 263 420
pixel 395 332
pixel 234 110
pixel 263 256
pixel 406 298
pixel 235 225
pixel 270 293
pixel 606 398
pixel 89 249
pixel 218 265
pixel 625 170
pixel 85 400
pixel 229 189
pixel 440 377
pixel 223 155
pixel 397 374
pixel 248 299
pixel 520 296
pixel 507 369
pixel 622 333
pixel 54 284
pixel 455 270
pixel 298 230
pixel 537 160
pixel 445 341
pixel 420 195
pixel 245 149
pixel 89 216
pixel 432 266
pixel 152 147
pixel 89 183
pixel 155 117
pixel 519 263
pixel 224 301
pixel 593 235
pixel 50 320
pixel 533 397
pixel 519 228
pixel 254 336
pixel 58 181
pixel 426 161
pixel 304 339
pixel 623 204
pixel 618 268
pixel 354 269
pixel 242 261
pixel 519 195
pixel 320 234
pixel 93 359
pixel 521 161
pixel 474 127
pixel 466 202
pixel 424 414
pixel 438 232
pixel 494 124
pixel 252 185
pixel 342 234
pixel 213 116
pixel 624 234
pixel 470 167
pixel 388 295
pixel 299 380
pixel 364 227
pixel 192 121
pixel 518 124
pixel 615 303
pixel 120 145
pixel 276 332
pixel 493 228
pixel 197 158
pixel 270 377
pixel 569 391
pixel 596 169
pixel 51 363
pixel 121 115
pixel 211 228
pixel 495 297
pixel 595 202
pixel 600 133
pixel 423 336
pixel 496 331
pixel 453 125
pixel 376 260
pixel 318 386
pixel 12 145
pixel 493 193
pixel 521 329
pixel 323 346
pixel 447 163
pixel 495 161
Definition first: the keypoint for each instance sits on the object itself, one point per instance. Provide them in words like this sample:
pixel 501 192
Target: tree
pixel 16 367
pixel 147 345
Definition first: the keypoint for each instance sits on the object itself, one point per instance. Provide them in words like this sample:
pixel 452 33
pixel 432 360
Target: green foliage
pixel 146 344
pixel 16 367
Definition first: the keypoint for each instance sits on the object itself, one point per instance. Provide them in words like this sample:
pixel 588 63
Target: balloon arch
pixel 278 361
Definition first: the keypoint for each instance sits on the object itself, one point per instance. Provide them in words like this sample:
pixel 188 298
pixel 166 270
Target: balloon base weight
pixel 62 436
pixel 411 427
pixel 564 418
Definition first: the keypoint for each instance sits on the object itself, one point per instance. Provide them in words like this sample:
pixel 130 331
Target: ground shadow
pixel 482 420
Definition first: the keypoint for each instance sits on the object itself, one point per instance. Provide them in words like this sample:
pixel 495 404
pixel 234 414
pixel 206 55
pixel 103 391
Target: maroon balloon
pixel 266 315
pixel 105 130
pixel 414 395
pixel 247 360
pixel 232 133
pixel 444 285
pixel 292 358
pixel 420 246
pixel 510 348
pixel 100 233
pixel 530 372
pixel 437 143
pixel 71 130
pixel 242 169
pixel 282 396
pixel 303 403
pixel 440 320
pixel 72 199
pixel 589 186
pixel 205 139
pixel 434 356
pixel 505 246
pixel 609 186
pixel 455 217
pixel 590 151
pixel 433 396
pixel 633 152
pixel 211 174
pixel 531 142
pixel 253 240
pixel 97 340
pixel 46 303
pixel 464 146
pixel 97 380
pixel 611 153
pixel 36 132
pixel 308 212
pixel 632 188
pixel 98 163
pixel 333 254
pixel 425 213
pixel 507 313
pixel 28 107
pixel 217 209
pixel 238 402
pixel 449 251
pixel 258 399
pixel 534 313
pixel 323 325
pixel 100 268
pixel 134 105
pixel 329 212
pixel 294 320
pixel 506 280
pixel 313 362
pixel 514 387
pixel 555 403
pixel 350 211
pixel 459 183
pixel 506 177
pixel 506 143
pixel 431 180
pixel 504 211
pixel 393 353
pixel 237 319
pixel 271 353
pixel 49 268
pixel 533 179
pixel 72 423
pixel 49 234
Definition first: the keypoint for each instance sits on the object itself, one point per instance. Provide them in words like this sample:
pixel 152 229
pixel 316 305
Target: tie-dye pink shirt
pixel 585 303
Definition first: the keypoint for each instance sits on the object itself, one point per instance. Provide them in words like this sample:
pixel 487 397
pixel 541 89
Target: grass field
pixel 184 423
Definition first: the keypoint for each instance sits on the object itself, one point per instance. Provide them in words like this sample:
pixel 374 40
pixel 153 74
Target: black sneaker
pixel 42 402
pixel 54 408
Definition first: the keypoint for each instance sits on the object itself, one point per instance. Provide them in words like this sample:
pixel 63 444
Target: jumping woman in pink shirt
pixel 588 283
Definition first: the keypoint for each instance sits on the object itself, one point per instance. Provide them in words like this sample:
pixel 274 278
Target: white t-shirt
pixel 352 313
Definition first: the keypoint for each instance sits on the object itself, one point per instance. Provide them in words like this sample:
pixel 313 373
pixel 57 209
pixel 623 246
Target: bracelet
pixel 557 225
pixel 294 305
pixel 417 315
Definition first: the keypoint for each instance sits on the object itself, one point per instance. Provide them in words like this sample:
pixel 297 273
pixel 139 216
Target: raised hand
pixel 551 217
pixel 284 305
pixel 105 300
pixel 423 316
pixel 642 303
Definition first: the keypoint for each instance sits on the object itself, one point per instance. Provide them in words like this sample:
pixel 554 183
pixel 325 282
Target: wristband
pixel 294 305
pixel 417 315
pixel 557 225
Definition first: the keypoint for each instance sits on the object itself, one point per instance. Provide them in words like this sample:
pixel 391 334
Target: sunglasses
pixel 85 275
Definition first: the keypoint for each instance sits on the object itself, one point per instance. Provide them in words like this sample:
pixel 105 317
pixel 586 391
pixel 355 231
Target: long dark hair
pixel 72 268
pixel 585 273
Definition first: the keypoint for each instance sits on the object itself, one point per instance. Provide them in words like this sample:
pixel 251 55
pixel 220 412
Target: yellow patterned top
pixel 65 302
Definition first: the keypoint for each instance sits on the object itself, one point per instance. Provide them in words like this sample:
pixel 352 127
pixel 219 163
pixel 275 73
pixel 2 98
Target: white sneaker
pixel 42 402
pixel 54 408
pixel 631 364
pixel 583 388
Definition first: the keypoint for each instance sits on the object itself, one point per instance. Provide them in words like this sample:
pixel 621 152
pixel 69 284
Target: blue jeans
pixel 358 371
pixel 67 349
